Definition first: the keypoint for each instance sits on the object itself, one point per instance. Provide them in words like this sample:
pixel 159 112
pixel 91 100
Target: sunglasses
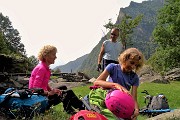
pixel 113 34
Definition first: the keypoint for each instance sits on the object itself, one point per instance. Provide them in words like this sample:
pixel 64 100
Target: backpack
pixel 23 104
pixel 158 102
pixel 154 104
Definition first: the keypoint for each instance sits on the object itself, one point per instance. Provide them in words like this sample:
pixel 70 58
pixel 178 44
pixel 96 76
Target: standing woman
pixel 40 77
pixel 123 76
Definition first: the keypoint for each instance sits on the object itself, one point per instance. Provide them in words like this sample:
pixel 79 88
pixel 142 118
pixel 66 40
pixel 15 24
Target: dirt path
pixel 60 81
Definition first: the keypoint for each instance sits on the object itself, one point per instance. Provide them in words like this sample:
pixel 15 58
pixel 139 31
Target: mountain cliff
pixel 141 37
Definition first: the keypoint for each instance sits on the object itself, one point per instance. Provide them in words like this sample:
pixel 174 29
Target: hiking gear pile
pixel 23 104
pixel 112 104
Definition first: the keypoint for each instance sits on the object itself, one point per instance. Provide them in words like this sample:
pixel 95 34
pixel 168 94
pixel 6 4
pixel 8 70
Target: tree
pixel 32 62
pixel 58 70
pixel 167 35
pixel 3 47
pixel 11 46
pixel 126 27
pixel 11 36
pixel 167 31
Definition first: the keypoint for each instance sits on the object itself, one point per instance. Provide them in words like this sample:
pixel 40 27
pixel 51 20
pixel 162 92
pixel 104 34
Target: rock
pixel 17 84
pixel 162 80
pixel 175 71
pixel 174 115
pixel 146 70
pixel 92 80
pixel 149 78
pixel 173 74
pixel 146 74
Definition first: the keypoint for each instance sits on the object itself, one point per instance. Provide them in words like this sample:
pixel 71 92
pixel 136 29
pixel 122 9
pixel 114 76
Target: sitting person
pixel 121 76
pixel 40 77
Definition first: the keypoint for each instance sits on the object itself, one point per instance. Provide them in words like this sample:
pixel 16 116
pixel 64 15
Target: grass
pixel 171 91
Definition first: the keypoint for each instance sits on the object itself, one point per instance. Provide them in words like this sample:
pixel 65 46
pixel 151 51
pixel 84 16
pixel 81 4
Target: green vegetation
pixel 12 51
pixel 166 35
pixel 126 27
pixel 171 91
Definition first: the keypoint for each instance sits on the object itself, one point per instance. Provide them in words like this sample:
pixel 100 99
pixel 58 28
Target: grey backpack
pixel 158 102
pixel 155 102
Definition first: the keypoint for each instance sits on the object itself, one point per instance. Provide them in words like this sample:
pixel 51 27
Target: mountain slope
pixel 141 38
pixel 72 66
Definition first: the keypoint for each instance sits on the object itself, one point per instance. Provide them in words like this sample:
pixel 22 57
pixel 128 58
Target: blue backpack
pixel 18 104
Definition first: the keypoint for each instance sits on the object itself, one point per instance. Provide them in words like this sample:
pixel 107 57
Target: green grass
pixel 171 91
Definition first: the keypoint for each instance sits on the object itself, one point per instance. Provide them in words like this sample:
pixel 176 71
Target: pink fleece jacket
pixel 40 77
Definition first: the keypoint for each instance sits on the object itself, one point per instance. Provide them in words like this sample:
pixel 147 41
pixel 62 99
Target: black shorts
pixel 106 62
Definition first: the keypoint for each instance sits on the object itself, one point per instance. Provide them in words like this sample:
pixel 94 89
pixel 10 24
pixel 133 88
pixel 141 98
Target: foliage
pixel 54 77
pixel 56 70
pixel 32 62
pixel 12 49
pixel 166 59
pixel 11 35
pixel 3 46
pixel 126 27
pixel 167 36
pixel 167 32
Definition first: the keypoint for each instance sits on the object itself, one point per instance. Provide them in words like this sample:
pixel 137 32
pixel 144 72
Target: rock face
pixel 167 116
pixel 173 74
pixel 148 75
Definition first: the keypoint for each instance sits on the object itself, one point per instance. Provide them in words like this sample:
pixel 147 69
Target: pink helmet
pixel 120 104
pixel 88 115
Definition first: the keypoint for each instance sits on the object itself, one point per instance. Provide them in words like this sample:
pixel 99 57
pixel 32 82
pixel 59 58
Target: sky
pixel 75 27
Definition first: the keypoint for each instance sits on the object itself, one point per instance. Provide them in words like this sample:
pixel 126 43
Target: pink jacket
pixel 40 77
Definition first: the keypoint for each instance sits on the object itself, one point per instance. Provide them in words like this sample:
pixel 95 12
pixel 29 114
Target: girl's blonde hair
pixel 132 53
pixel 45 50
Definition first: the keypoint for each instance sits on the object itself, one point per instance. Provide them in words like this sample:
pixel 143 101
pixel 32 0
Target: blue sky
pixel 73 26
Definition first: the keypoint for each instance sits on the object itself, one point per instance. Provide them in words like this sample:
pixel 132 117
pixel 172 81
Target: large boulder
pixel 147 74
pixel 174 115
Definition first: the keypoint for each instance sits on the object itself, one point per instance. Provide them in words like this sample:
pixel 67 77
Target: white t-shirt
pixel 112 50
